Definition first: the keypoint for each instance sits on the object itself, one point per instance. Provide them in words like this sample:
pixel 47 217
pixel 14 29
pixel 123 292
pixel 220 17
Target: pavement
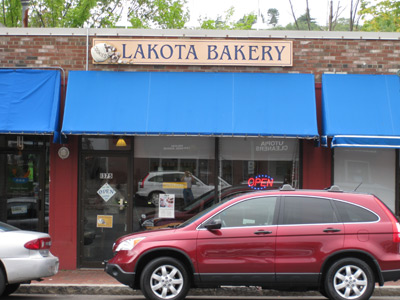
pixel 97 282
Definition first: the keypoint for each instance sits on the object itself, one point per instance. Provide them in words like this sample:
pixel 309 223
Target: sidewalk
pixel 97 282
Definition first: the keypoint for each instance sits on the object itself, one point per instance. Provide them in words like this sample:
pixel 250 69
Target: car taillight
pixel 142 182
pixel 38 244
pixel 395 223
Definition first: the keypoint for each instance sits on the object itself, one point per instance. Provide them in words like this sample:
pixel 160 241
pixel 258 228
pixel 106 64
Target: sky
pixel 210 9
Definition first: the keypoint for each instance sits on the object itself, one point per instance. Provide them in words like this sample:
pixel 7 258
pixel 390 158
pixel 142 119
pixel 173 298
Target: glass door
pixel 105 205
pixel 24 202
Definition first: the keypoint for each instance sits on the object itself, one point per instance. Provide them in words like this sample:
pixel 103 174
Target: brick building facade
pixel 315 53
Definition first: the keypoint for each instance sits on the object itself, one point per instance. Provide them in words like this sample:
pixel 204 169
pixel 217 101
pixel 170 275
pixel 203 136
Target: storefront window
pixel 366 170
pixel 259 163
pixel 24 181
pixel 164 195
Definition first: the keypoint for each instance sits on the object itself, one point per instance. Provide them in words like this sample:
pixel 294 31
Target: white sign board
pixel 106 192
pixel 166 205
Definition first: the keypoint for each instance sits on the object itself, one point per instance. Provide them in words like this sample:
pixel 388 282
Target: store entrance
pixel 105 205
pixel 24 202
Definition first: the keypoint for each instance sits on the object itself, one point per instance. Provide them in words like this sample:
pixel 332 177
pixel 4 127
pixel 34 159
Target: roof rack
pixel 287 187
pixel 335 188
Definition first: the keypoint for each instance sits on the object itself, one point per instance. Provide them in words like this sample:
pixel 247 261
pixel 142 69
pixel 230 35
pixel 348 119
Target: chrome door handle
pixel 331 230
pixel 262 232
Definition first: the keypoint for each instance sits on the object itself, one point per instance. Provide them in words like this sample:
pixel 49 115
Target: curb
pixel 106 289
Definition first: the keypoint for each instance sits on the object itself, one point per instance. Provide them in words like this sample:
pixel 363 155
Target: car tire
pixel 2 282
pixel 154 198
pixel 165 278
pixel 349 278
pixel 10 288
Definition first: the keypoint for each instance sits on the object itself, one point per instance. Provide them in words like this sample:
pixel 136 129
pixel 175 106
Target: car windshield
pixel 6 227
pixel 200 214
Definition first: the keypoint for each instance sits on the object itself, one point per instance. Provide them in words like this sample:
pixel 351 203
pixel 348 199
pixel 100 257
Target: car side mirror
pixel 214 225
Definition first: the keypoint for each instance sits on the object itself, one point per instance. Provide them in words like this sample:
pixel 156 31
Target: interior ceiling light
pixel 121 142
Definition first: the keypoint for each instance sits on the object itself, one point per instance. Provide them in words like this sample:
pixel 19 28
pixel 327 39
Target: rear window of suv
pixel 308 210
pixel 350 213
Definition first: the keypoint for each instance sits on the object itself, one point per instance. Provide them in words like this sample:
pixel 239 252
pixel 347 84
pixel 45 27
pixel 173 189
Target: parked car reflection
pixel 170 182
pixel 22 212
pixel 151 221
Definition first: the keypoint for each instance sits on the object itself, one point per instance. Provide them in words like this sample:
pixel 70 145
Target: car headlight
pixel 128 244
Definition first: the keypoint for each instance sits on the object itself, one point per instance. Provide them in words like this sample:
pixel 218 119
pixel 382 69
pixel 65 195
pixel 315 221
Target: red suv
pixel 335 242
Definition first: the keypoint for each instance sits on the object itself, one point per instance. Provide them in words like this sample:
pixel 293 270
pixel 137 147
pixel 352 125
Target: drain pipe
pixel 87 48
pixel 25 9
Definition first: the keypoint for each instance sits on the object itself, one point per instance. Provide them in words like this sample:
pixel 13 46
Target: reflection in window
pixel 369 170
pixel 253 212
pixel 246 158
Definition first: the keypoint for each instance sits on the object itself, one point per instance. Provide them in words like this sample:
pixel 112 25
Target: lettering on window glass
pixel 272 146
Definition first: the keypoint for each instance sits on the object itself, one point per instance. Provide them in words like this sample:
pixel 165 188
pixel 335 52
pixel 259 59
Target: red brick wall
pixel 310 56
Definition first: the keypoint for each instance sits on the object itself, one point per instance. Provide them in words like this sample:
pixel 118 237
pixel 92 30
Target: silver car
pixel 170 182
pixel 24 256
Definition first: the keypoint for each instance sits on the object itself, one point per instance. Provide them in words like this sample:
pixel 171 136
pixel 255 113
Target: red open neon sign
pixel 260 182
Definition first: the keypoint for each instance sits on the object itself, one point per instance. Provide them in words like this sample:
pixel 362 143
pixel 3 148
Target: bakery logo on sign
pixel 193 52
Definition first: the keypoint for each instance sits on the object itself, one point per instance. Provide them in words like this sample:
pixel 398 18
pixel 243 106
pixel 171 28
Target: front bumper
pixel 119 274
pixel 391 275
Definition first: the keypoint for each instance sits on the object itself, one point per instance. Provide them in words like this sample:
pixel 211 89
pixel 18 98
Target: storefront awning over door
pixel 361 110
pixel 29 101
pixel 189 103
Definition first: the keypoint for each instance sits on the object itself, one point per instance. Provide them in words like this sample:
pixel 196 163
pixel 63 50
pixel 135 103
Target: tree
pixel 273 16
pixel 218 23
pixel 246 22
pixel 304 22
pixel 167 14
pixel 380 16
pixel 97 13
pixel 353 13
pixel 10 13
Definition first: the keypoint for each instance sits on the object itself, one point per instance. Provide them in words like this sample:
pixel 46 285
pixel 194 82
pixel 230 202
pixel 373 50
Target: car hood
pixel 148 233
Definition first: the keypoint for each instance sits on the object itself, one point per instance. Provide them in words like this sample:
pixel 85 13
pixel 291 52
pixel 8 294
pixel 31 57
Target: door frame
pixel 81 263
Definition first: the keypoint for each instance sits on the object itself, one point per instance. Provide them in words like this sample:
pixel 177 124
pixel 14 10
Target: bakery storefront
pixel 142 133
pixel 141 129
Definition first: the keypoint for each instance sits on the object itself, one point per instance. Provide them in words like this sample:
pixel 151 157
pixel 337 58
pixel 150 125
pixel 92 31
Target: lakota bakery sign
pixel 192 52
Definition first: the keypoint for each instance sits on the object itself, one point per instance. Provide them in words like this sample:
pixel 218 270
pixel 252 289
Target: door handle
pixel 262 232
pixel 331 230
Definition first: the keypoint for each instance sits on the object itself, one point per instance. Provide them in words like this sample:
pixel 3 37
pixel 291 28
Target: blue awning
pixel 29 101
pixel 190 103
pixel 361 110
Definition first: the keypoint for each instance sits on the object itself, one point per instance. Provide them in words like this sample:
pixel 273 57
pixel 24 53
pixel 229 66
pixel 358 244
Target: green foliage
pixel 246 22
pixel 219 23
pixel 96 13
pixel 10 13
pixel 303 25
pixel 380 16
pixel 169 14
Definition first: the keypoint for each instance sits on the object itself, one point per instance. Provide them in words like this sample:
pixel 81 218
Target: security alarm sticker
pixel 104 221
